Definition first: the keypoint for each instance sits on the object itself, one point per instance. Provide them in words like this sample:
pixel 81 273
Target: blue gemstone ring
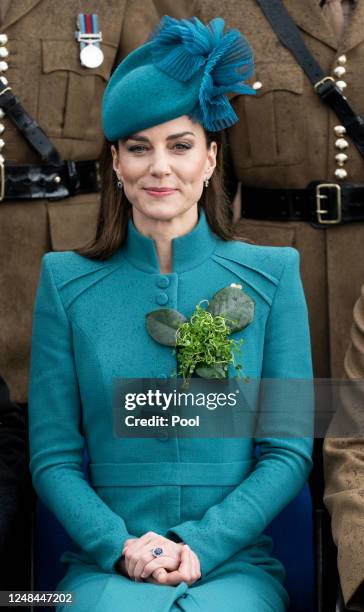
pixel 157 552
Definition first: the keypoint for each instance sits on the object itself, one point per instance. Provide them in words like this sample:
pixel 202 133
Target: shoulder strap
pixel 325 86
pixel 28 126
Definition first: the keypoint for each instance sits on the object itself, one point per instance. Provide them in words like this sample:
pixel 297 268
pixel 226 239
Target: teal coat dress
pixel 89 329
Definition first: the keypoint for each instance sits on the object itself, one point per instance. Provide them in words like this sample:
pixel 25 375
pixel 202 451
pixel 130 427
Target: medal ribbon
pixel 88 23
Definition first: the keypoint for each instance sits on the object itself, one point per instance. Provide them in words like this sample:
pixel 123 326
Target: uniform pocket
pixel 271 128
pixel 70 94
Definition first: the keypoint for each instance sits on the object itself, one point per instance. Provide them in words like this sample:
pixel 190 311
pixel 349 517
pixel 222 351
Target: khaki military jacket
pixel 45 72
pixel 285 139
pixel 344 473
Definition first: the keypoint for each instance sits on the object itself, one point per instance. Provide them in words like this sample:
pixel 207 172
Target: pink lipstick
pixel 160 192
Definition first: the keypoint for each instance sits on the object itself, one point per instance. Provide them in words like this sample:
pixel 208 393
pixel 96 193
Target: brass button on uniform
pixel 163 282
pixel 341 144
pixel 161 299
pixel 3 39
pixel 4 52
pixel 2 128
pixel 342 59
pixel 257 85
pixel 339 71
pixel 339 130
pixel 341 174
pixel 341 158
pixel 3 66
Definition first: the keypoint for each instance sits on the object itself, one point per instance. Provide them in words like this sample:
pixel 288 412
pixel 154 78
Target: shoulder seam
pixel 51 274
pixel 284 268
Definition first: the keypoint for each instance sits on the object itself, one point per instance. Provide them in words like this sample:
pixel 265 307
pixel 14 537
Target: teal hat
pixel 186 68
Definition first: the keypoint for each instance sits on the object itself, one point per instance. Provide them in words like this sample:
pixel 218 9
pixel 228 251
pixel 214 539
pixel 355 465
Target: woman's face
pixel 163 168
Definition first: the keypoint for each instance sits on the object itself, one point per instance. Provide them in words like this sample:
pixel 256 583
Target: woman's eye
pixel 137 148
pixel 182 146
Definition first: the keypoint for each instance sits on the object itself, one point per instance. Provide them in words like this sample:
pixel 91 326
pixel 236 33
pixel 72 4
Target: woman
pixel 166 524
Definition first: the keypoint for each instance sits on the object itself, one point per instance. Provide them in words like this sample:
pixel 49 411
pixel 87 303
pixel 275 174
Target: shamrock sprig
pixel 202 344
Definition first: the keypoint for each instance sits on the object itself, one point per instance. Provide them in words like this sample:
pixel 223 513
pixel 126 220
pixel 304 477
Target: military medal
pixel 89 37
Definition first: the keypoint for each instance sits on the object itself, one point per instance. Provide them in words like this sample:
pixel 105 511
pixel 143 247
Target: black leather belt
pixel 52 182
pixel 322 204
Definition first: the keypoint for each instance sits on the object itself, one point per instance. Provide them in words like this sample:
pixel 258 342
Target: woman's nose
pixel 160 164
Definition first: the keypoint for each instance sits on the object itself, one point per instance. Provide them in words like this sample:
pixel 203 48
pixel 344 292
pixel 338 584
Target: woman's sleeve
pixel 56 440
pixel 284 463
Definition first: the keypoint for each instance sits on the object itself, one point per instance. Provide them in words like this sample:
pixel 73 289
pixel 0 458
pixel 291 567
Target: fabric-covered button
pixel 163 282
pixel 161 299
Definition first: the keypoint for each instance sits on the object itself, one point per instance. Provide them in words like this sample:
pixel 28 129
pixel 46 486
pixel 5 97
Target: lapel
pixel 308 16
pixel 16 10
pixel 354 34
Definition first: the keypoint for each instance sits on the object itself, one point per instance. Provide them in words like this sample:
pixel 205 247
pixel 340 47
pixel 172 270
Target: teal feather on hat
pixel 182 47
pixel 186 68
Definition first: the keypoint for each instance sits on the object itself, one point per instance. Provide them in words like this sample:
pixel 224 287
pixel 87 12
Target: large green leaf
pixel 236 306
pixel 162 325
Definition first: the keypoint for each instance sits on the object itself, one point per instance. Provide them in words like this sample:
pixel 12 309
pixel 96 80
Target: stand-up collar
pixel 188 251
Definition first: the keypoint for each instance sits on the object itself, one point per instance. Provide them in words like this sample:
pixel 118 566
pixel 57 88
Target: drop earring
pixel 206 181
pixel 119 183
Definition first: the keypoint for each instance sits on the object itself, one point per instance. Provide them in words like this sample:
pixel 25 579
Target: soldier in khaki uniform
pixel 40 58
pixel 287 137
pixel 344 473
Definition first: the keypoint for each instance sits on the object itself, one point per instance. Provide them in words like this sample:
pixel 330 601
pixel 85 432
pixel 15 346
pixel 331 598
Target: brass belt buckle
pixel 323 81
pixel 321 211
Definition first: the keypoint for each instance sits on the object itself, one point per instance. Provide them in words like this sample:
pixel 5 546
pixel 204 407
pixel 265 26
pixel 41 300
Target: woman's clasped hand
pixel 177 563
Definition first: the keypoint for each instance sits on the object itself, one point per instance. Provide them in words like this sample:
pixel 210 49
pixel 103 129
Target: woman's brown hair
pixel 115 208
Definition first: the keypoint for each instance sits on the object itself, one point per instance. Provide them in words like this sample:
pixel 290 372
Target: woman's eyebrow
pixel 140 138
pixel 179 135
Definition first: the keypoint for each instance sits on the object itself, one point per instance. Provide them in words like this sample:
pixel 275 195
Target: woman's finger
pixel 169 562
pixel 159 576
pixel 136 543
pixel 180 575
pixel 195 565
pixel 134 551
pixel 127 543
pixel 189 573
pixel 142 556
